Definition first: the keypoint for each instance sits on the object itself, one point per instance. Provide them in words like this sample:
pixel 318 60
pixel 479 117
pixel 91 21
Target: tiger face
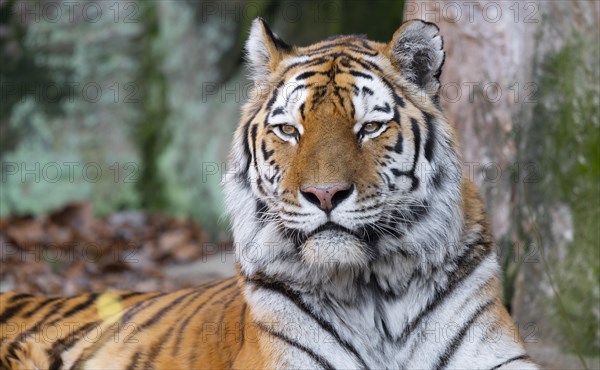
pixel 345 151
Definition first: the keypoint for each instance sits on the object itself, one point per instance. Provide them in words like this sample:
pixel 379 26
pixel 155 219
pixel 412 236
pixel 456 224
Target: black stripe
pixel 183 323
pixel 274 96
pixel 384 109
pixel 363 63
pixel 315 356
pixel 430 141
pixel 67 342
pixel 134 361
pixel 11 311
pixel 19 296
pixel 194 354
pixel 266 154
pixel 99 343
pixel 82 306
pixel 39 306
pixel 322 59
pixel 242 323
pixel 199 294
pixel 130 294
pixel 338 37
pixel 164 310
pixel 291 93
pixel 417 137
pixel 253 133
pixel 350 42
pixel 275 173
pixel 157 347
pixel 380 316
pixel 54 310
pixel 397 172
pixel 259 186
pixel 517 358
pixel 353 48
pixel 57 362
pixel 235 295
pixel 305 75
pixel 467 263
pixel 228 303
pixel 352 89
pixel 344 62
pixel 294 297
pixel 318 94
pixel 302 112
pixel 63 345
pixel 391 186
pixel 360 74
pixel 262 211
pixel 366 90
pixel 246 146
pixel 399 101
pixel 392 88
pixel 241 338
pixel 336 92
pixel 417 134
pixel 396 118
pixel 305 64
pixel 458 339
pixel 137 329
pixel 139 306
pixel 398 146
pixel 277 111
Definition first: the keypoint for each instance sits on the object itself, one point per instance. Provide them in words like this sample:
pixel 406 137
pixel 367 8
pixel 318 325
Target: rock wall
pixel 521 86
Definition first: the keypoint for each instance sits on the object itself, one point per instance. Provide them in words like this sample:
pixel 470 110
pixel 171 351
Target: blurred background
pixel 116 118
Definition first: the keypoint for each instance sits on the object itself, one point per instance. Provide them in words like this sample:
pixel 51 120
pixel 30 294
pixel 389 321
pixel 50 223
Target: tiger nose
pixel 326 197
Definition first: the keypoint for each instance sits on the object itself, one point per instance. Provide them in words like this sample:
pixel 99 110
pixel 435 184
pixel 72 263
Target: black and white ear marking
pixel 417 50
pixel 264 50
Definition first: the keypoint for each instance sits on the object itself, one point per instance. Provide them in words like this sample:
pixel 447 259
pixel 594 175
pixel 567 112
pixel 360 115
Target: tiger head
pixel 343 157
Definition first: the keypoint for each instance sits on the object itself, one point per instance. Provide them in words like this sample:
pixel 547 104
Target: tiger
pixel 359 242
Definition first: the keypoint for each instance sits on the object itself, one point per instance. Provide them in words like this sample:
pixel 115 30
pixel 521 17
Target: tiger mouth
pixel 332 226
pixel 366 235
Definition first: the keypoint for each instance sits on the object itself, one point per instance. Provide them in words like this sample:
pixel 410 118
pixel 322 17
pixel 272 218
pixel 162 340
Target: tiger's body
pixel 360 244
pixel 128 330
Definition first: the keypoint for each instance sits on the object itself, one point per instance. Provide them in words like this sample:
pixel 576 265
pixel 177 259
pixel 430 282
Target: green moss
pixel 564 141
pixel 151 133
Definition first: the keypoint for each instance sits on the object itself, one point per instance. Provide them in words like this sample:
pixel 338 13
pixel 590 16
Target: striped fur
pixel 402 273
pixel 193 328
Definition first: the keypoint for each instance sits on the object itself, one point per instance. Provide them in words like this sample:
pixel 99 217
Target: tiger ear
pixel 417 51
pixel 264 50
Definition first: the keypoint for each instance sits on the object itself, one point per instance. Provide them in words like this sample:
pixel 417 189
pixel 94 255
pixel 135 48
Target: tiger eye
pixel 288 129
pixel 370 127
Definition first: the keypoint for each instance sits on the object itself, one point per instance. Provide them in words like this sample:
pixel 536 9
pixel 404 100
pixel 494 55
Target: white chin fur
pixel 335 248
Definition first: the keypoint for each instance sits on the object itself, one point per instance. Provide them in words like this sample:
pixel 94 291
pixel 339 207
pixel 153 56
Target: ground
pixel 69 251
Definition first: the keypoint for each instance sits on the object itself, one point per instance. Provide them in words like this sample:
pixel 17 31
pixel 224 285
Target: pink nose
pixel 326 197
